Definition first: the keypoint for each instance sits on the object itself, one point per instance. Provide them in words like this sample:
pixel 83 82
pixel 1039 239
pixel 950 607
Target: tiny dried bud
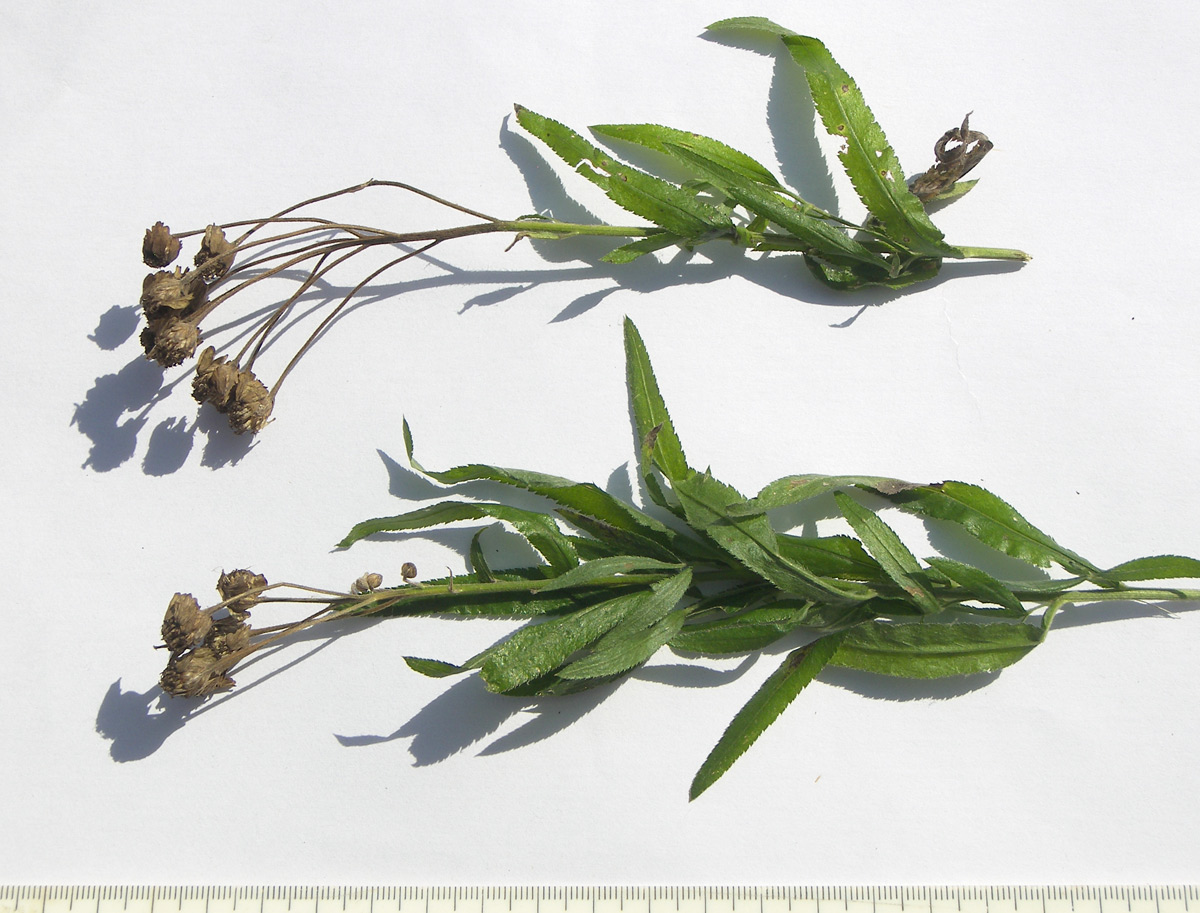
pixel 235 583
pixel 170 341
pixel 184 624
pixel 367 583
pixel 159 247
pixel 171 292
pixel 215 379
pixel 408 571
pixel 194 674
pixel 250 404
pixel 216 254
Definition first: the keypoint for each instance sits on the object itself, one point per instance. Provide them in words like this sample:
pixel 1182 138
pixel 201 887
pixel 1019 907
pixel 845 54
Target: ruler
pixel 263 899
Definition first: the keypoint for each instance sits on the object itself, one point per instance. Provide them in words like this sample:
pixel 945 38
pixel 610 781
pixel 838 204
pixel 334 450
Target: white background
pixel 1067 386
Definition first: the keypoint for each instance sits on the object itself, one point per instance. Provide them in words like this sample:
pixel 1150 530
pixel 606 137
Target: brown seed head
pixel 170 341
pixel 195 674
pixel 408 571
pixel 166 292
pixel 228 635
pixel 215 380
pixel 184 625
pixel 234 583
pixel 159 247
pixel 250 404
pixel 216 254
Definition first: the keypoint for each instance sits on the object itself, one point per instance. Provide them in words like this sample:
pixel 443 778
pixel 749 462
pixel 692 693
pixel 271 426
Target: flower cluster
pixel 204 644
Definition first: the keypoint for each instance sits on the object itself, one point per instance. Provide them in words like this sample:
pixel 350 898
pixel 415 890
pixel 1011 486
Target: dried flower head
pixel 216 254
pixel 160 247
pixel 228 635
pixel 251 404
pixel 234 583
pixel 408 571
pixel 184 624
pixel 215 379
pixel 367 583
pixel 195 674
pixel 171 292
pixel 170 341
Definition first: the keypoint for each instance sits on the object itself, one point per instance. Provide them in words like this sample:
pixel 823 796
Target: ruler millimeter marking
pixel 830 899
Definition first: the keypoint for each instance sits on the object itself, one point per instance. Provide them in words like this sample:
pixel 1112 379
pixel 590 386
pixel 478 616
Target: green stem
pixel 994 253
pixel 1125 594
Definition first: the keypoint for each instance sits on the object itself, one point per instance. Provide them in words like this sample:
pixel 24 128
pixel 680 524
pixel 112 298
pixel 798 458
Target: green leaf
pixel 794 489
pixel 627 253
pixel 893 556
pixel 1157 567
pixel 602 568
pixel 749 24
pixel 540 648
pixel 800 667
pixel 538 529
pixel 750 630
pixel 810 227
pixel 993 522
pixel 832 556
pixel 663 203
pixel 434 668
pixel 651 420
pixel 581 497
pixel 752 541
pixel 662 139
pixel 850 276
pixel 479 565
pixel 979 584
pixel 433 598
pixel 869 160
pixel 639 635
pixel 924 650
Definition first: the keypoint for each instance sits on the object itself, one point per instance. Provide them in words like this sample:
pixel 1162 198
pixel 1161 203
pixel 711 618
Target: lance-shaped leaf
pixel 661 139
pixel 1157 567
pixel 639 635
pixel 651 420
pixel 993 522
pixel 810 227
pixel 750 630
pixel 832 556
pixel 893 556
pixel 800 667
pixel 752 541
pixel 580 498
pixel 869 160
pixel 604 568
pixel 978 585
pixel 794 489
pixel 925 650
pixel 627 253
pixel 538 529
pixel 663 203
pixel 849 275
pixel 538 649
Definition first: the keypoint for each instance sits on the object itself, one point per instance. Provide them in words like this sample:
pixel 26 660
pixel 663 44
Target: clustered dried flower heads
pixel 206 644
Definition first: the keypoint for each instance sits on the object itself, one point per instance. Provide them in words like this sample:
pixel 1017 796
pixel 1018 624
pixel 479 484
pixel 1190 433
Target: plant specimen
pixel 729 197
pixel 706 574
